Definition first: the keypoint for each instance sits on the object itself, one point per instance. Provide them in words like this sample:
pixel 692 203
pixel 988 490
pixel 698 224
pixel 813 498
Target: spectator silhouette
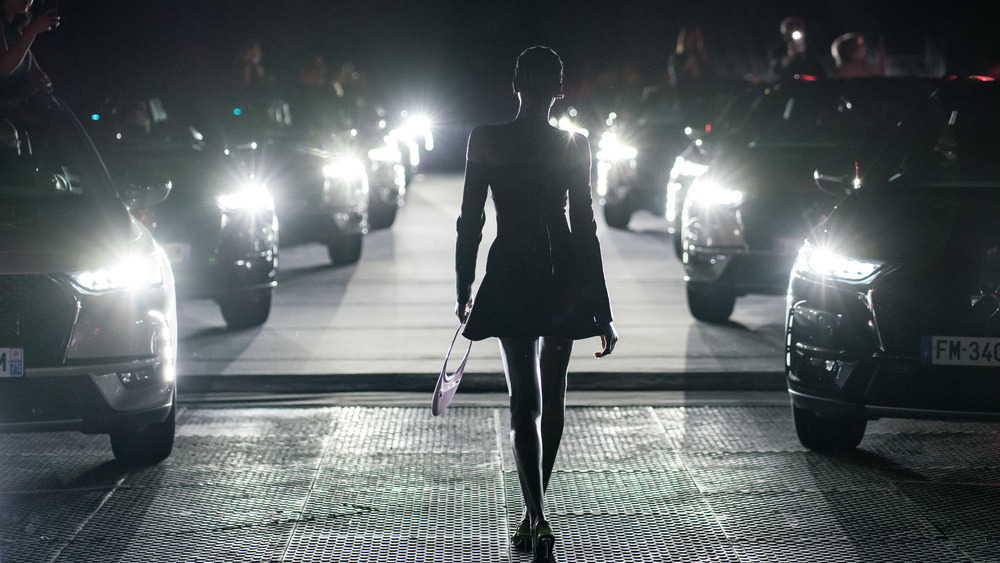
pixel 794 58
pixel 850 56
pixel 690 61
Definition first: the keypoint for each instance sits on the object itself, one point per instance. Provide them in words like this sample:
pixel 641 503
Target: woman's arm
pixel 584 228
pixel 470 222
pixel 11 58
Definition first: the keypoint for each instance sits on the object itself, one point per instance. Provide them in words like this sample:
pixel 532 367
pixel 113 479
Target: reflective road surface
pixel 393 312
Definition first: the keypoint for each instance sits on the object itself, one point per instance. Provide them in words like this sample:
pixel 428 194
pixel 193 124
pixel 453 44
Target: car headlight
pixel 566 124
pixel 137 272
pixel 825 263
pixel 685 167
pixel 385 154
pixel 611 148
pixel 249 197
pixel 711 193
pixel 344 168
pixel 416 126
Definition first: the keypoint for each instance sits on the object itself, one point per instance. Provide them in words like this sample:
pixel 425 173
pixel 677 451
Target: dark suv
pixel 749 210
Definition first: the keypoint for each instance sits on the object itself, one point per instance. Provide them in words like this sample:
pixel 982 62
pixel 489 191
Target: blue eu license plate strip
pixel 11 362
pixel 960 351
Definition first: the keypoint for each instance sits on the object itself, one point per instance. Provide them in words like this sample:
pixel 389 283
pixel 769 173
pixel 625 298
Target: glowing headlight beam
pixel 611 148
pixel 566 124
pixel 137 272
pixel 824 263
pixel 685 167
pixel 710 193
pixel 344 168
pixel 385 153
pixel 250 196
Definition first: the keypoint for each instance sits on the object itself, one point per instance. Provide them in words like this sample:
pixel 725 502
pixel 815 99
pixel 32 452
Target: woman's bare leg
pixel 521 366
pixel 553 363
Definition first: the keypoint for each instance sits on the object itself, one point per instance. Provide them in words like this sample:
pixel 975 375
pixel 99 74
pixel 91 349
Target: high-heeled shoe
pixel 542 542
pixel 521 540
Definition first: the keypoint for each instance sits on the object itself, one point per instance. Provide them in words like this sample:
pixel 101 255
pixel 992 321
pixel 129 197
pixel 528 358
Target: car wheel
pixel 151 445
pixel 828 433
pixel 345 250
pixel 710 304
pixel 617 214
pixel 381 216
pixel 678 241
pixel 246 312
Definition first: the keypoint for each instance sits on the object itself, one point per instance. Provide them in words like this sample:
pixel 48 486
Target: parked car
pixel 219 225
pixel 746 215
pixel 390 163
pixel 894 300
pixel 692 162
pixel 88 322
pixel 638 147
pixel 315 173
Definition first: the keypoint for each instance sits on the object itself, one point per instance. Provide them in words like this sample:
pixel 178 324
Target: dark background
pixel 455 57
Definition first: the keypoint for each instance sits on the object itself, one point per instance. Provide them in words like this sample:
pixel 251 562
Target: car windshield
pixel 46 159
pixel 827 113
pixel 952 142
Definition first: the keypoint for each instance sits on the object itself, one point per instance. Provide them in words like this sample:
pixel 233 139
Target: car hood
pixel 780 169
pixel 68 239
pixel 933 226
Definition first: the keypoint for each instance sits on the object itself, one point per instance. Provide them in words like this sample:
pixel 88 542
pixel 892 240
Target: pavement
pixel 641 476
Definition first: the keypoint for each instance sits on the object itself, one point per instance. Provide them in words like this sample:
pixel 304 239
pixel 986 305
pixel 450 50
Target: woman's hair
pixel 539 70
pixel 690 31
pixel 846 47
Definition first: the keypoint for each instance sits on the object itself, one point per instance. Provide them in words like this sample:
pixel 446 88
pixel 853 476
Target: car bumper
pixel 739 271
pixel 223 276
pixel 919 396
pixel 96 398
pixel 644 189
pixel 301 223
pixel 837 361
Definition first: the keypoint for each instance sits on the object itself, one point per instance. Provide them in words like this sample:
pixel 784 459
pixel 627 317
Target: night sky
pixel 458 55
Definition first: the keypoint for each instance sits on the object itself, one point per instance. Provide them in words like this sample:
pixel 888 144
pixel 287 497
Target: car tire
pixel 678 244
pixel 710 304
pixel 150 445
pixel 828 433
pixel 246 312
pixel 618 214
pixel 346 250
pixel 381 216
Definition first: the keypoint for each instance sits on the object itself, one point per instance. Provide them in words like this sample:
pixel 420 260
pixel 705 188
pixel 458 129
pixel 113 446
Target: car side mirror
pixel 146 195
pixel 844 185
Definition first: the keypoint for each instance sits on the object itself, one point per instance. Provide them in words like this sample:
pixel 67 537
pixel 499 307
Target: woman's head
pixel 848 48
pixel 690 40
pixel 538 72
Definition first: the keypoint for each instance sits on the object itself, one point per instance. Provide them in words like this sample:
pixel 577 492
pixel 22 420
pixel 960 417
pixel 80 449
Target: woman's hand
pixel 43 22
pixel 609 337
pixel 463 310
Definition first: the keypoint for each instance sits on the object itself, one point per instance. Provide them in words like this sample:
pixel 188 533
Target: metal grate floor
pixel 394 484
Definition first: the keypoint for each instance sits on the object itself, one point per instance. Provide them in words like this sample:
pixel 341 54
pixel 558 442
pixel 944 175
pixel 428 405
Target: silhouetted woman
pixel 544 285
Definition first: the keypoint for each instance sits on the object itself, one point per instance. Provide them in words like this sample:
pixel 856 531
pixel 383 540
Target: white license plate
pixel 11 362
pixel 960 351
pixel 177 252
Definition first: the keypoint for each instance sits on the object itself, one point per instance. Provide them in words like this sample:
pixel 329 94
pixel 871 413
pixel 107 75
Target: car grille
pixel 37 314
pixel 911 303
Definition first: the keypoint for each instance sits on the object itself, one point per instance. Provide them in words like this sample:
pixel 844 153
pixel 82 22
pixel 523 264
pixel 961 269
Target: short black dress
pixel 544 274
